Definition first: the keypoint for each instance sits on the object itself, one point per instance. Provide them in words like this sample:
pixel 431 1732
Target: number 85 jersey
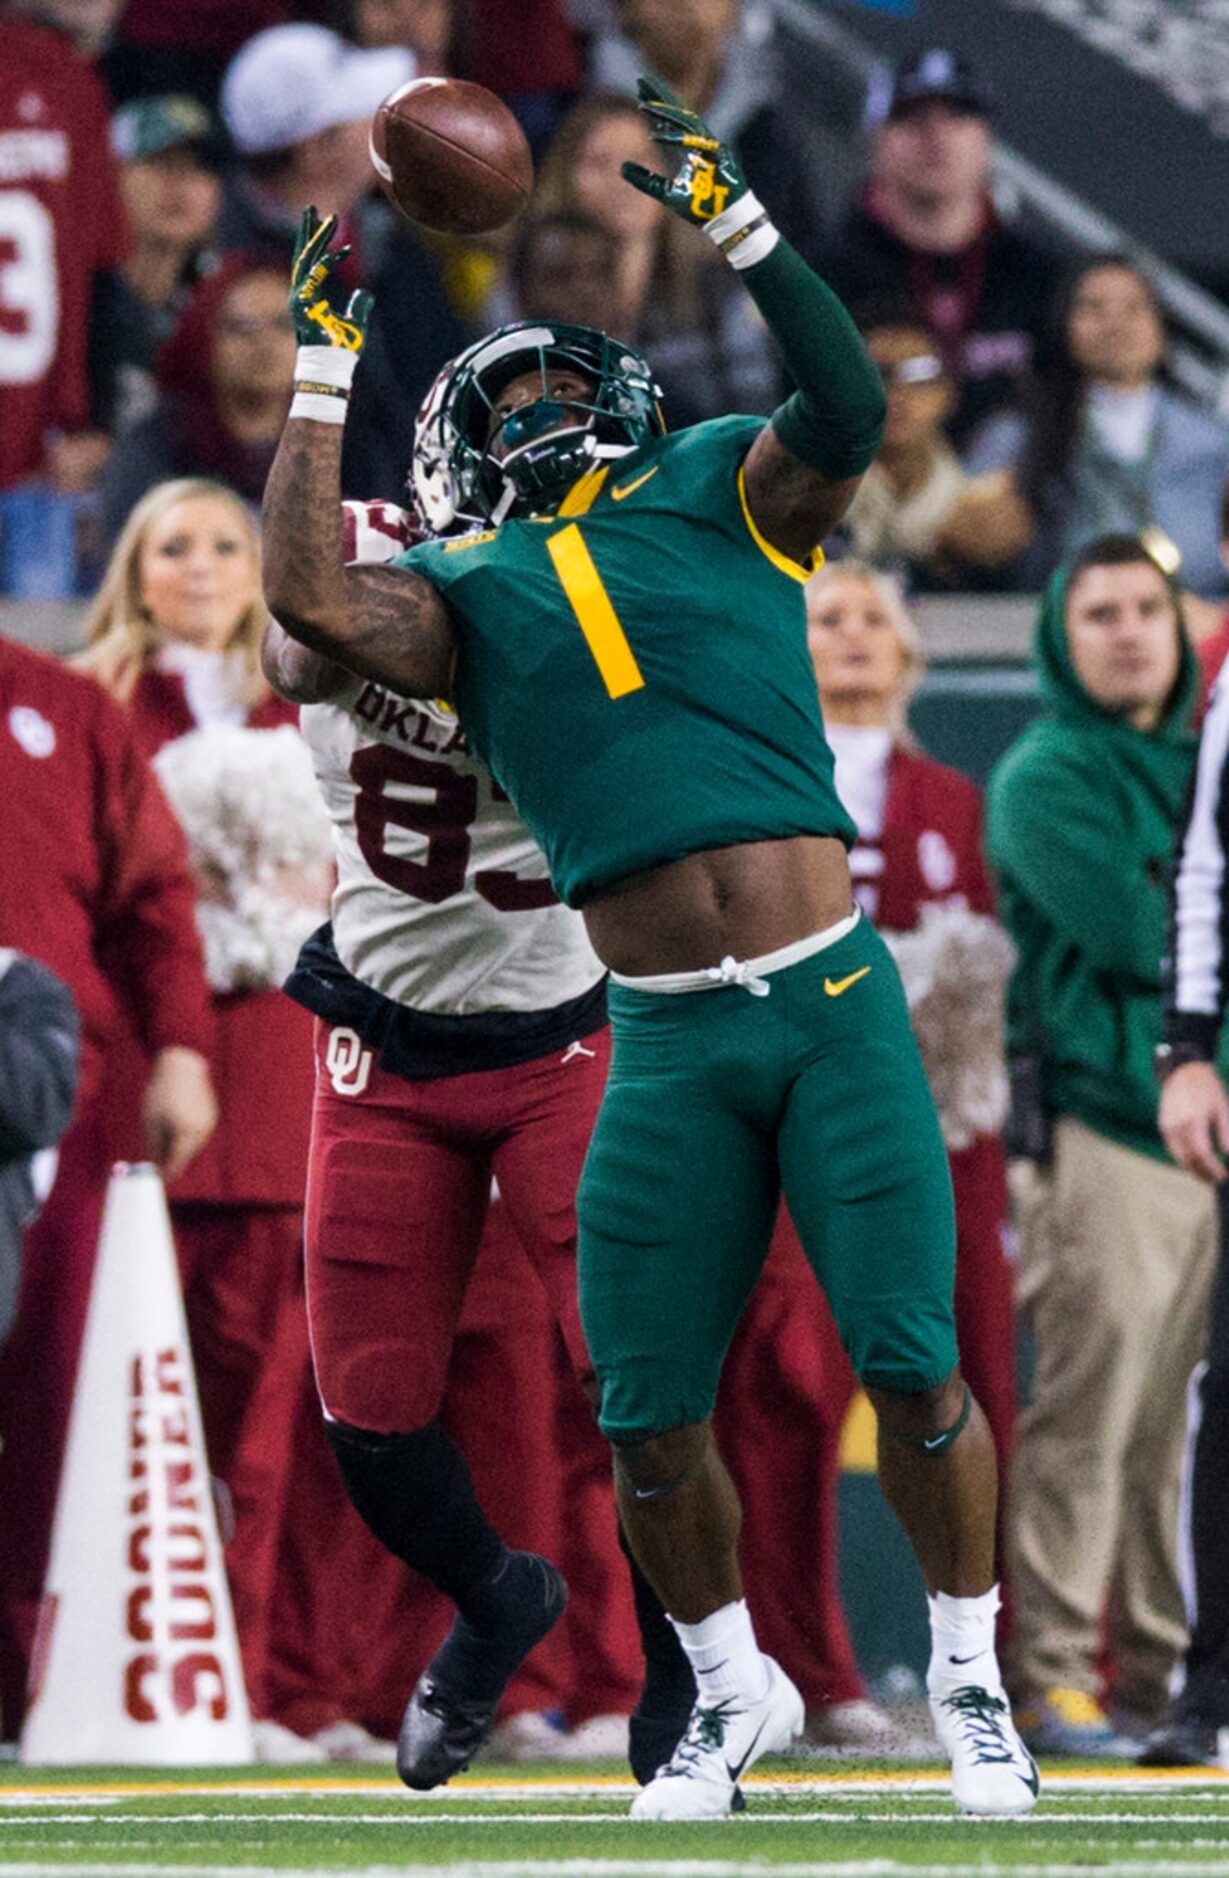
pixel 443 902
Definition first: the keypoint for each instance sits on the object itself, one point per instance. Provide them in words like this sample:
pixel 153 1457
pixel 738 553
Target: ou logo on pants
pixel 348 1062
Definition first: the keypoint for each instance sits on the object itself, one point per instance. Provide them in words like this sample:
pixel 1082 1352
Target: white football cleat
pixel 993 1772
pixel 722 1741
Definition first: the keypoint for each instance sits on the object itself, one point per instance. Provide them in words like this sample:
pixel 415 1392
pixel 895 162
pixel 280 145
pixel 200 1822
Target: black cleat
pixel 1186 1741
pixel 456 1700
pixel 439 1737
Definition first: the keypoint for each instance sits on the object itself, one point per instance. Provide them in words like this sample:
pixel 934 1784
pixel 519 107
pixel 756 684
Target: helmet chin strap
pixel 500 512
pixel 594 450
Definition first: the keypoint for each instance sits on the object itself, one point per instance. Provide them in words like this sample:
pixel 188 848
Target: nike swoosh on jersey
pixel 836 987
pixel 629 489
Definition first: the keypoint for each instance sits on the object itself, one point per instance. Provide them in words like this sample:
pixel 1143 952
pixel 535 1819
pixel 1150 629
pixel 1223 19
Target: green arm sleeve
pixel 1065 849
pixel 834 421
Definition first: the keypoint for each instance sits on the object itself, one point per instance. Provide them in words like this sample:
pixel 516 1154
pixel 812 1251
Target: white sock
pixel 725 1656
pixel 962 1642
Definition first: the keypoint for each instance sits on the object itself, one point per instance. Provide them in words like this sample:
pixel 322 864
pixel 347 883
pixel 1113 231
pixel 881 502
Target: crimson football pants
pixel 499 1406
pixel 399 1182
pixel 398 1254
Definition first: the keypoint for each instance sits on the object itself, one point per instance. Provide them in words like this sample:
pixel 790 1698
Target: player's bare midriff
pixel 741 901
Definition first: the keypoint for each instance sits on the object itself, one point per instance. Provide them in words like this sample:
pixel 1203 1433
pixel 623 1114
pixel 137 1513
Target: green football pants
pixel 718 1102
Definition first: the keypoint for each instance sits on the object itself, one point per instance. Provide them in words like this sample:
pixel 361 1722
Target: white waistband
pixel 749 974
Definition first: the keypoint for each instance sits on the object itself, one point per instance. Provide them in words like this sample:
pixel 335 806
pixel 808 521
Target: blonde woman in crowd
pixel 174 636
pixel 175 629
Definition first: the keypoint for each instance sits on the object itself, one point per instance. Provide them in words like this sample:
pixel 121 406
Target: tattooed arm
pixel 384 623
pixel 299 676
pixel 380 622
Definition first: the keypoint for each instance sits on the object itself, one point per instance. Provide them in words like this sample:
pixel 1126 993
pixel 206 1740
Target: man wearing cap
pixel 926 226
pixel 297 102
pixel 170 154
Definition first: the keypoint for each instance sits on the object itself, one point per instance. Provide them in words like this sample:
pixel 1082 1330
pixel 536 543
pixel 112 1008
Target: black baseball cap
pixel 932 73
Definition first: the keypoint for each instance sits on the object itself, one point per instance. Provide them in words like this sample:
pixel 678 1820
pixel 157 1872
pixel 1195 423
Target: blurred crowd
pixel 1029 402
pixel 154 161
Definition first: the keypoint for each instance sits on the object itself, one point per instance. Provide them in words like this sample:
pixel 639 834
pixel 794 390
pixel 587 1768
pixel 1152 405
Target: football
pixel 451 156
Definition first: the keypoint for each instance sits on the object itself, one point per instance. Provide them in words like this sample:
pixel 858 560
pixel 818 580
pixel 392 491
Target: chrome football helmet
pixel 457 480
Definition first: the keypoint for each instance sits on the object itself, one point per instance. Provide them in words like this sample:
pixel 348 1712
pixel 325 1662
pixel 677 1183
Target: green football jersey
pixel 634 669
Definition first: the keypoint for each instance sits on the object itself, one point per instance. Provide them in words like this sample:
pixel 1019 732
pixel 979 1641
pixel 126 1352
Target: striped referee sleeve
pixel 1198 975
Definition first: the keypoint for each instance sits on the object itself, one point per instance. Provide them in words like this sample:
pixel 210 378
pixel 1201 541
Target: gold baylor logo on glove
pixel 339 332
pixel 314 287
pixel 708 196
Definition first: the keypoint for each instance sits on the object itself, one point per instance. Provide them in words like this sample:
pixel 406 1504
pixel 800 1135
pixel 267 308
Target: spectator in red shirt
pixel 108 906
pixel 61 239
pixel 525 50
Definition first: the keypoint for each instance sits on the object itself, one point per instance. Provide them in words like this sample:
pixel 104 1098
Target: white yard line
pixel 650 1868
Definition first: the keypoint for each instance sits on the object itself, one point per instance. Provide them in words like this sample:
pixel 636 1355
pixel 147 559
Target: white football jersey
pixel 443 902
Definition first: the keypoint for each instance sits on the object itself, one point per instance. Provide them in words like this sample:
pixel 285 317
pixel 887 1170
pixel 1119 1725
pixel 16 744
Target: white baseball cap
pixel 290 82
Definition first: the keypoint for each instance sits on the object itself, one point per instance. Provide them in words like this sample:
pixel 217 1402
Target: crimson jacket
pixel 931 847
pixel 94 874
pixel 262 1060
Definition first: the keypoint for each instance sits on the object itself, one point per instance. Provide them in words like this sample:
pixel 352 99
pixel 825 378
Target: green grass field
pixel 803 1821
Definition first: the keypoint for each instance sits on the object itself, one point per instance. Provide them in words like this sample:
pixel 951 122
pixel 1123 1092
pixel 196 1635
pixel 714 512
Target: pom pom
pixel 260 843
pixel 955 968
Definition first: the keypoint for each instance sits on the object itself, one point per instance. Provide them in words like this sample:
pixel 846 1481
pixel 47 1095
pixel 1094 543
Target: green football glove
pixel 315 292
pixel 708 180
pixel 708 189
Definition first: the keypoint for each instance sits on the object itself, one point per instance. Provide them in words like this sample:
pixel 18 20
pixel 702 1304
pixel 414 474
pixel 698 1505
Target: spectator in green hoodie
pixel 1117 1243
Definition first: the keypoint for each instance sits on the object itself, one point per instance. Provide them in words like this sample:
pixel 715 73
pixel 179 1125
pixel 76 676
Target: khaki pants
pixel 1117 1253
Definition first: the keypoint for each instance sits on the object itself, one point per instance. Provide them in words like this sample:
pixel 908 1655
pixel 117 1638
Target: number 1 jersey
pixel 634 668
